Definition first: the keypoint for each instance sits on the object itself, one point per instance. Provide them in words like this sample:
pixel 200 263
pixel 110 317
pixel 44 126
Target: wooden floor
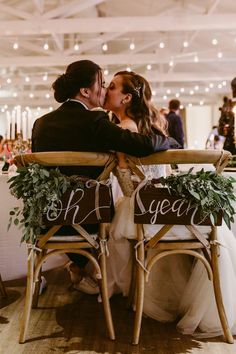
pixel 71 322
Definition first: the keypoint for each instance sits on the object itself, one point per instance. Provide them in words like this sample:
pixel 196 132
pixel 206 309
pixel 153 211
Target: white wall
pixel 3 125
pixel 199 121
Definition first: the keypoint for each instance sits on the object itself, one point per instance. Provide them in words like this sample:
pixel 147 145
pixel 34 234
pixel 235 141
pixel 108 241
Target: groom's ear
pixel 84 92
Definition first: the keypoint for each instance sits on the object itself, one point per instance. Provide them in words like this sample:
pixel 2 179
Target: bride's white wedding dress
pixel 178 287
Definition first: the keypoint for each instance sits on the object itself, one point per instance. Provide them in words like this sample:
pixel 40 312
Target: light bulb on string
pixel 15 46
pixel 76 46
pixel 104 47
pixel 132 46
pixel 46 46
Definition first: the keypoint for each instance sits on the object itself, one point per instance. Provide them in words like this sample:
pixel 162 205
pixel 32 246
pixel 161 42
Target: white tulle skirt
pixel 178 286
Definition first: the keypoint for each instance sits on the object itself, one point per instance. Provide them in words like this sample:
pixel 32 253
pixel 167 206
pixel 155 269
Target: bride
pixel 178 288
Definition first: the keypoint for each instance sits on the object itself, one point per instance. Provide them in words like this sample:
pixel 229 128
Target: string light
pixel 164 97
pixel 191 92
pixel 177 95
pixel 27 79
pixel 47 95
pixel 45 77
pixel 128 69
pixel 196 59
pixel 207 89
pixel 214 41
pixel 132 46
pixel 168 91
pixel 149 67
pixel 211 85
pixel 201 103
pixel 15 46
pixel 31 95
pixel 46 46
pixel 162 45
pixel 185 44
pixel 76 46
pixel 104 47
pixel 171 63
pixel 182 89
pixel 220 55
pixel 9 81
pixel 196 88
pixel 106 72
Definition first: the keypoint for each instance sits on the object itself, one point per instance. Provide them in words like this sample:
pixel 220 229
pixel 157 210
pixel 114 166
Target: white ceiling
pixel 118 23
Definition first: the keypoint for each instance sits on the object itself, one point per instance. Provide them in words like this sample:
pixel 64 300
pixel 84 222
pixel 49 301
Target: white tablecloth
pixel 13 254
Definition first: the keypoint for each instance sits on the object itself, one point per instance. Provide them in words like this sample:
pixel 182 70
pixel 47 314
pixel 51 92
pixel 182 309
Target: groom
pixel 74 127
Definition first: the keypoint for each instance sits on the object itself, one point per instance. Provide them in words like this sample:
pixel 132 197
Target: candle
pixel 13 122
pixel 29 125
pixel 24 136
pixel 18 119
pixel 8 125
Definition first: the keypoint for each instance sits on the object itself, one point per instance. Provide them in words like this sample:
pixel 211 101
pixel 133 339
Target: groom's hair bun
pixel 80 74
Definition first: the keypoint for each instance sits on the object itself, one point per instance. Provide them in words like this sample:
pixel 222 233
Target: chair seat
pixel 177 232
pixel 69 238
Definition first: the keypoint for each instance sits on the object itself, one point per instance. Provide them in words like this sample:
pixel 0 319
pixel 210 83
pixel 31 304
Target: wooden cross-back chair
pixel 49 244
pixel 198 242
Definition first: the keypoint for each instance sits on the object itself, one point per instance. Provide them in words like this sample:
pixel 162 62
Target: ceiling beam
pixel 109 59
pixel 119 24
pixel 71 8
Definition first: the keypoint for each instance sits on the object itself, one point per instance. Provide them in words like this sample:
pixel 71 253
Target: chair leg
pixel 139 289
pixel 218 295
pixel 105 298
pixel 131 294
pixel 2 288
pixel 28 300
pixel 38 283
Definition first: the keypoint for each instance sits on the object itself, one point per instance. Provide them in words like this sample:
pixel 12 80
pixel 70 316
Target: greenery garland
pixel 212 193
pixel 38 188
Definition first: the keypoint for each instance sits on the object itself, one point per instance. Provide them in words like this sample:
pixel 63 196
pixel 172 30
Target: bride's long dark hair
pixel 141 109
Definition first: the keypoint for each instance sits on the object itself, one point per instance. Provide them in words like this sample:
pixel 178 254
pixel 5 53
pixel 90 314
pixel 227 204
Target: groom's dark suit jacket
pixel 71 127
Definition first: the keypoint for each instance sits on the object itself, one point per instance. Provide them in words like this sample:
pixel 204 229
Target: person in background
pixel 75 127
pixel 1 144
pixel 227 120
pixel 214 140
pixel 175 125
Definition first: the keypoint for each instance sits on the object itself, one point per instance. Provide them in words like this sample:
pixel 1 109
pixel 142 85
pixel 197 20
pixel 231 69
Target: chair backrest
pixel 88 205
pixel 218 158
pixel 69 158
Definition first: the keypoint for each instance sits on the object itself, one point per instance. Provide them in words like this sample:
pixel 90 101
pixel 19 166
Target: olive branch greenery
pixel 212 193
pixel 38 188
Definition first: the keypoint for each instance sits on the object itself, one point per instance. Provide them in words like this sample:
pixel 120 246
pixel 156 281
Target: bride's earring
pixel 122 101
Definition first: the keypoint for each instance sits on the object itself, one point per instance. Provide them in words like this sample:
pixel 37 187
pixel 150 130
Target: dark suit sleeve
pixel 114 138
